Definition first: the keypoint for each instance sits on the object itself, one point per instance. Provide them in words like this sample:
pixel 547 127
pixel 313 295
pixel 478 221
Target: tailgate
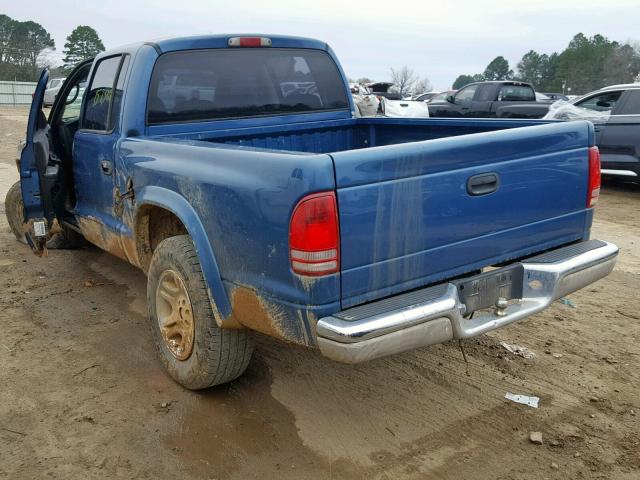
pixel 415 213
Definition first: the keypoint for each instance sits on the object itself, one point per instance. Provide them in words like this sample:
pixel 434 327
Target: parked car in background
pixel 403 108
pixel 441 96
pixel 505 99
pixel 618 135
pixel 382 89
pixel 425 97
pixel 556 96
pixel 367 104
pixel 52 90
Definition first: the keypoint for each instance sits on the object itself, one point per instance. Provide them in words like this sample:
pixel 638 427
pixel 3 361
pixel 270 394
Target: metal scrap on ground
pixel 523 399
pixel 523 352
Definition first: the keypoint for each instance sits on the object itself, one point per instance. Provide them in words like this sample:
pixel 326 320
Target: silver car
pixel 52 90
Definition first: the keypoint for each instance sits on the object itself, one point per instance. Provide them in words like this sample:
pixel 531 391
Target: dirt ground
pixel 83 396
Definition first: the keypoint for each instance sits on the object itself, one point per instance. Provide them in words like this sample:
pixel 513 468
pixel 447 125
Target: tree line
pixel 587 64
pixel 25 48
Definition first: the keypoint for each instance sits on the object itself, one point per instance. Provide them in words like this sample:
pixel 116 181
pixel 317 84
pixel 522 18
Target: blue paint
pixel 29 173
pixel 406 218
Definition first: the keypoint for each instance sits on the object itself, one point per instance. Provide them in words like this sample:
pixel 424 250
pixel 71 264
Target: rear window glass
pixel 516 93
pixel 211 84
pixel 631 105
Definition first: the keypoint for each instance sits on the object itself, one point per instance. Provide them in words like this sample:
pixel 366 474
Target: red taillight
pixel 314 236
pixel 249 42
pixel 593 192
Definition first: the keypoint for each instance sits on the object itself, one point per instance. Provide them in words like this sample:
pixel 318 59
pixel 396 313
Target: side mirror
pixel 603 104
pixel 451 98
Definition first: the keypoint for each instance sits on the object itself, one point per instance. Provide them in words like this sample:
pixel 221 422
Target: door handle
pixel 105 166
pixel 483 184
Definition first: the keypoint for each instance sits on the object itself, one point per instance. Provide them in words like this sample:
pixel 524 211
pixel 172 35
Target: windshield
pixel 202 85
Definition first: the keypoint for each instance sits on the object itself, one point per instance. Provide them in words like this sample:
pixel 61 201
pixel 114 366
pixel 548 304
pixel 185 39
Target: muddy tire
pixel 67 239
pixel 14 209
pixel 194 350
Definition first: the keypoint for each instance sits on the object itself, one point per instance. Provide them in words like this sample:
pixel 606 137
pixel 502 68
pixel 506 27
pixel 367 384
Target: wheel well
pixel 154 224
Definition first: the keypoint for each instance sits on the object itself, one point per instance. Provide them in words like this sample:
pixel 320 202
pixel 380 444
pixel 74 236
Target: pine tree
pixel 83 43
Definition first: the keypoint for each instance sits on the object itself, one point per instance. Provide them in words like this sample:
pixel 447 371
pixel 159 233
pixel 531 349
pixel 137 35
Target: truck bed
pixel 406 217
pixel 349 134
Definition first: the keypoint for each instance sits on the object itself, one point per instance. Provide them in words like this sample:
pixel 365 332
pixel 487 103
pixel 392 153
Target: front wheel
pixel 14 210
pixel 65 239
pixel 194 350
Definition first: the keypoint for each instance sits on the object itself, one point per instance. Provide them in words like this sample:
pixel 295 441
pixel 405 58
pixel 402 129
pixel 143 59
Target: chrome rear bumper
pixel 437 314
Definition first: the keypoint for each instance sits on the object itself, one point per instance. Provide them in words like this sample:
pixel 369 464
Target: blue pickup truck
pixel 233 171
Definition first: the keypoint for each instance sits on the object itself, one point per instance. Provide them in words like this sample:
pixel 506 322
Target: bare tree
pixel 404 79
pixel 422 86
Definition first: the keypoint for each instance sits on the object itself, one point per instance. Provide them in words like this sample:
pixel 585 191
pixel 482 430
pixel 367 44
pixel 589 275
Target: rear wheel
pixel 194 350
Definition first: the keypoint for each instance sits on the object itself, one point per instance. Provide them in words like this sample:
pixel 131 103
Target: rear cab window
pixel 516 93
pixel 200 85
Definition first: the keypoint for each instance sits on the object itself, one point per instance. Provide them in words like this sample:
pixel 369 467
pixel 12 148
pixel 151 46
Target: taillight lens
pixel 314 235
pixel 593 192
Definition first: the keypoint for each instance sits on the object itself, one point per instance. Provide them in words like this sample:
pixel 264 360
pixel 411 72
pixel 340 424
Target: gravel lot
pixel 83 396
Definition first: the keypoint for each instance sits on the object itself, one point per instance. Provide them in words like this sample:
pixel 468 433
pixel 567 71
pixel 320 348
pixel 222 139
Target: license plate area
pixel 482 291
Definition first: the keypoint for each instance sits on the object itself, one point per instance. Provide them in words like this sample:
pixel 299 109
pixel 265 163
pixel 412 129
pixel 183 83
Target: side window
pixel 485 93
pixel 516 93
pixel 604 102
pixel 96 112
pixel 632 104
pixel 118 93
pixel 466 93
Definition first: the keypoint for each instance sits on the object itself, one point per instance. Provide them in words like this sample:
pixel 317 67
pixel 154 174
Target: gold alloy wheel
pixel 175 314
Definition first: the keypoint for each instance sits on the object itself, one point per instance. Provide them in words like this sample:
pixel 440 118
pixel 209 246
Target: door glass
pixel 605 102
pixel 466 93
pixel 485 94
pixel 96 114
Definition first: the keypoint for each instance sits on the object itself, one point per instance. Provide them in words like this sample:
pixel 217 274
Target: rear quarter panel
pixel 244 198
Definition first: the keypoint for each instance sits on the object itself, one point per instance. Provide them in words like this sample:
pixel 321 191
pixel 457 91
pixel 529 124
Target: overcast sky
pixel 439 40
